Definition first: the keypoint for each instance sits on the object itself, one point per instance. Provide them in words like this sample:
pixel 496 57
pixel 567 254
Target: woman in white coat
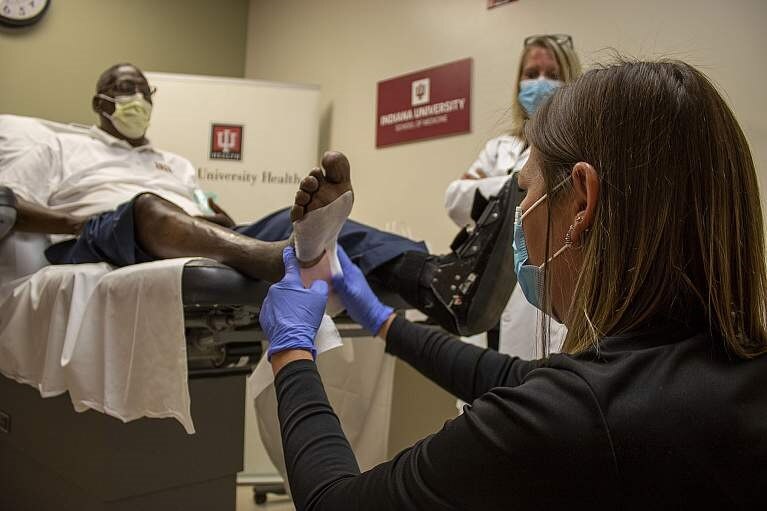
pixel 547 61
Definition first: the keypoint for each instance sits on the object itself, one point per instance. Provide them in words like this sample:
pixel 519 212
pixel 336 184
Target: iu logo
pixel 226 142
pixel 420 92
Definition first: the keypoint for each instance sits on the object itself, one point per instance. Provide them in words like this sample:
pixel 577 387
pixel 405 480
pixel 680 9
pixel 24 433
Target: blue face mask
pixel 530 277
pixel 533 92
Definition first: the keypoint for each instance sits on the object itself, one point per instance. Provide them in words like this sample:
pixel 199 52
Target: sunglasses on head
pixel 560 39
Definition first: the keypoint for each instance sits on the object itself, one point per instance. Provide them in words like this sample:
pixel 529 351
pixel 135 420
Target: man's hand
pixel 220 217
pixel 76 224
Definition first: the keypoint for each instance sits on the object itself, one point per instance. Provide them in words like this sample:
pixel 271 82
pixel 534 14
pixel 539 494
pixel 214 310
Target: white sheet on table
pixel 113 338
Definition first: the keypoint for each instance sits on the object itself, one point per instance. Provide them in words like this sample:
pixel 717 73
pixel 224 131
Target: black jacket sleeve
pixel 499 454
pixel 462 369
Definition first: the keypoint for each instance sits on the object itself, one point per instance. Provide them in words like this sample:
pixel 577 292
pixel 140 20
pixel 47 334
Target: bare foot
pixel 323 203
pixel 319 189
pixel 330 191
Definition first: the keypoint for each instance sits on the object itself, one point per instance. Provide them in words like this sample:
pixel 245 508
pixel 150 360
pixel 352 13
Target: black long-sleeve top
pixel 660 420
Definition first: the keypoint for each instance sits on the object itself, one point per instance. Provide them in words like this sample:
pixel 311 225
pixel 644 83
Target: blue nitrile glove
pixel 361 303
pixel 291 315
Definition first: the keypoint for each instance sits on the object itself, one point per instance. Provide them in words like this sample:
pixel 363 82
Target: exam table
pixel 52 457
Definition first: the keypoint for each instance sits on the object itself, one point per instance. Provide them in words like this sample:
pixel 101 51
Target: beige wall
pixel 50 69
pixel 346 46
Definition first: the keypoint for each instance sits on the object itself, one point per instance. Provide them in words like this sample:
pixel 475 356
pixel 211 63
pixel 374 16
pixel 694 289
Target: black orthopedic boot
pixel 466 290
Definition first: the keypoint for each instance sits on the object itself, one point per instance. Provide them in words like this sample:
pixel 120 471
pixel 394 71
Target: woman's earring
pixel 570 231
pixel 569 236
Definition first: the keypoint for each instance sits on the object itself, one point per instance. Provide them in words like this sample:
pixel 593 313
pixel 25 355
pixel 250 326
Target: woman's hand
pixel 361 303
pixel 291 314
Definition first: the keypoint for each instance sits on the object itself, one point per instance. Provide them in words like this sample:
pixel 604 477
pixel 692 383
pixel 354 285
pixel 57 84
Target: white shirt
pixel 500 157
pixel 85 170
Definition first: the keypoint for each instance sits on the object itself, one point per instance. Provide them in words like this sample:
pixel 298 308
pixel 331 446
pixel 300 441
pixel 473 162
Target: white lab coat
pixel 499 156
pixel 520 321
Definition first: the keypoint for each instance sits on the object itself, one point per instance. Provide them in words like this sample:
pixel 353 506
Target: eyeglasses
pixel 130 88
pixel 560 39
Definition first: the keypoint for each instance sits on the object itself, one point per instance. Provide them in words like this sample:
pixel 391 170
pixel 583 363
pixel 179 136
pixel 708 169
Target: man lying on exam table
pixel 122 201
pixel 642 231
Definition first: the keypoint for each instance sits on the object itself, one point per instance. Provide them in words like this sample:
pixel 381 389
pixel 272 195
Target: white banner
pixel 251 141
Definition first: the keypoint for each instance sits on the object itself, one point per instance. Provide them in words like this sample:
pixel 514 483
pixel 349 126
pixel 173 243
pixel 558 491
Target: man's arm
pixel 33 218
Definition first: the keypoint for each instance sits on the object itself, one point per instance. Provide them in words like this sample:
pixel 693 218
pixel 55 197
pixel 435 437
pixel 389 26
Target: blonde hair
pixel 569 70
pixel 678 232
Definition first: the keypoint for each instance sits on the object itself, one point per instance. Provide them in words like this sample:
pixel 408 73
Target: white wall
pixel 347 46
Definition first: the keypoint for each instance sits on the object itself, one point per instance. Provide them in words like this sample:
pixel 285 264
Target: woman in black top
pixel 642 231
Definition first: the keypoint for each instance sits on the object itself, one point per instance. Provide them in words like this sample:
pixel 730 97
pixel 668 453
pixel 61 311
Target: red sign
pixel 425 104
pixel 226 142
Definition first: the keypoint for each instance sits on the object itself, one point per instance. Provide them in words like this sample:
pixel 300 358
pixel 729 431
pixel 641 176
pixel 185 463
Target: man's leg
pixel 149 228
pixel 321 206
pixel 467 289
pixel 464 291
pixel 166 231
pixel 371 249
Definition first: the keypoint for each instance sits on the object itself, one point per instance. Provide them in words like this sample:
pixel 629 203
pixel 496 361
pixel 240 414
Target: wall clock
pixel 22 13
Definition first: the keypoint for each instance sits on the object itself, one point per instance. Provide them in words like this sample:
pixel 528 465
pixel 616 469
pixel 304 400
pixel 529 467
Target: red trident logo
pixel 226 140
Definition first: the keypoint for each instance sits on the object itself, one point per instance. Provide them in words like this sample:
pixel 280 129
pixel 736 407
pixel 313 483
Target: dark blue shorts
pixel 106 238
pixel 366 246
pixel 110 238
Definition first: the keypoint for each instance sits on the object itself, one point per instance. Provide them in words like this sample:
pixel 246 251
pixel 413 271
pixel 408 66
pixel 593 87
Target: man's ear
pixel 586 188
pixel 96 104
pixel 101 105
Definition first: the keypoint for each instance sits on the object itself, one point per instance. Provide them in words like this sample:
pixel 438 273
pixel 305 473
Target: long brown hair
pixel 678 230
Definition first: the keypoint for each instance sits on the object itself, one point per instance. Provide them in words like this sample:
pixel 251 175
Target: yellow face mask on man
pixel 131 115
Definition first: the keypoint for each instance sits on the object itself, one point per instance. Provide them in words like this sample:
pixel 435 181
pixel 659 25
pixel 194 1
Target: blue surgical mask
pixel 533 92
pixel 530 277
